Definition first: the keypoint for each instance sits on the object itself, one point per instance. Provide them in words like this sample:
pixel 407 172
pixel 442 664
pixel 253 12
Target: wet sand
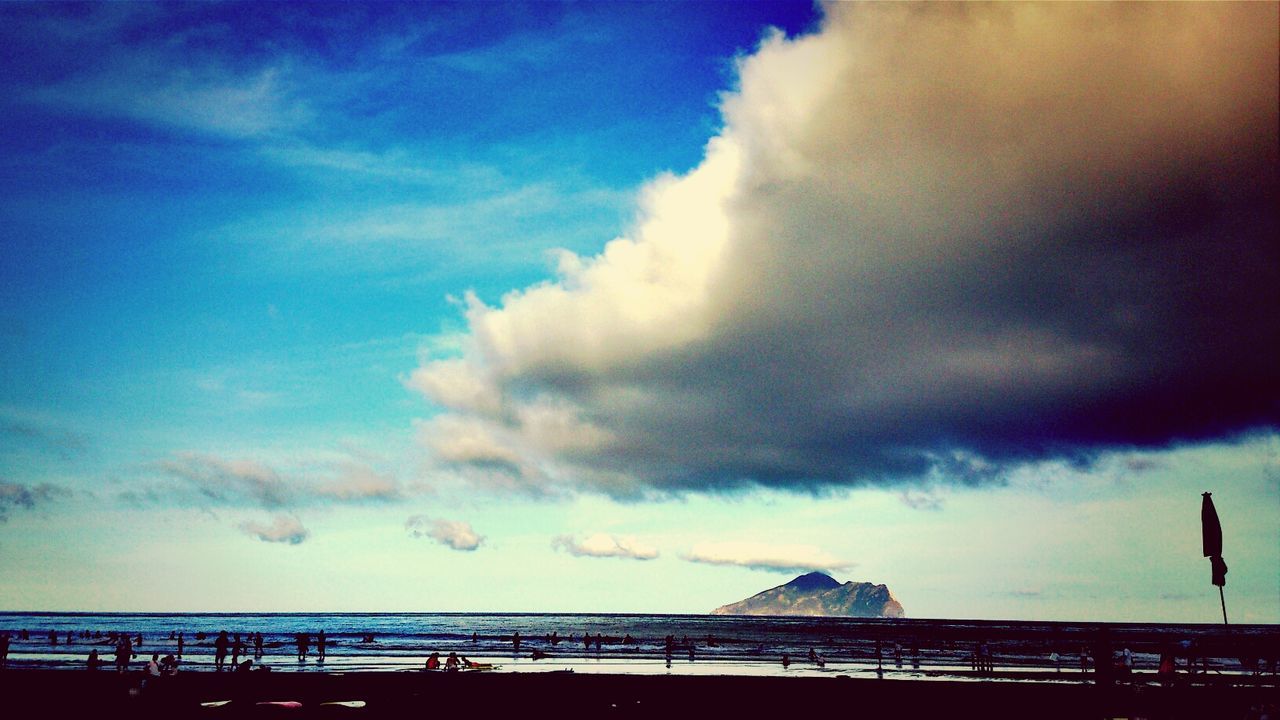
pixel 64 693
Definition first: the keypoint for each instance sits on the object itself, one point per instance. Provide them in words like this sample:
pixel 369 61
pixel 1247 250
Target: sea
pixel 642 644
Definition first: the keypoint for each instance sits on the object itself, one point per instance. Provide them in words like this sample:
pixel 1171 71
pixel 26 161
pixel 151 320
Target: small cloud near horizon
pixel 770 558
pixel 454 534
pixel 604 545
pixel 282 529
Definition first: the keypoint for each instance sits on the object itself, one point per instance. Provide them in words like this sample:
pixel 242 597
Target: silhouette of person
pixel 257 645
pixel 515 641
pixel 786 660
pixel 1102 659
pixel 94 662
pixel 124 652
pixel 180 644
pixel 433 661
pixel 220 650
pixel 4 650
pixel 237 649
pixel 451 663
pixel 321 642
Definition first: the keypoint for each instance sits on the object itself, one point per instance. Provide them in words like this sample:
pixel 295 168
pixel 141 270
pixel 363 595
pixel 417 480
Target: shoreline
pixel 573 695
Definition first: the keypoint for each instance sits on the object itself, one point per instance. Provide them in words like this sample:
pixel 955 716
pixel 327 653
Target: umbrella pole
pixel 1224 605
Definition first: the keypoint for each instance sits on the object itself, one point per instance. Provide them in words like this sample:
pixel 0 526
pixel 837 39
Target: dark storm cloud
pixel 930 241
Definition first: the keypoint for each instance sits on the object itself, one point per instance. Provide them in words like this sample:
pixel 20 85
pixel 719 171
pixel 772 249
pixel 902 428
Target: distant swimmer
pixel 786 660
pixel 515 640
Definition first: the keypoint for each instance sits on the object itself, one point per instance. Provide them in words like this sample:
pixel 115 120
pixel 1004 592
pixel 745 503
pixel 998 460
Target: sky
pixel 638 307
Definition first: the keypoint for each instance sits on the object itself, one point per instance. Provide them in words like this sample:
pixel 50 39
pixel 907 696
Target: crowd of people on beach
pixel 239 651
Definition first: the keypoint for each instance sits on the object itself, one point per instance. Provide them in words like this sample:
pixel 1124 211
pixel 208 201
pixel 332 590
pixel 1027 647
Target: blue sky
pixel 636 306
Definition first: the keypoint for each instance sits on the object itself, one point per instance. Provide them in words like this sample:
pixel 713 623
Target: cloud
pixel 206 99
pixel 230 481
pixel 356 482
pixel 762 556
pixel 929 241
pixel 921 499
pixel 254 483
pixel 42 432
pixel 283 529
pixel 450 533
pixel 17 495
pixel 603 545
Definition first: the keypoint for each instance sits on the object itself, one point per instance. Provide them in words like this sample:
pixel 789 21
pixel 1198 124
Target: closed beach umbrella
pixel 1212 541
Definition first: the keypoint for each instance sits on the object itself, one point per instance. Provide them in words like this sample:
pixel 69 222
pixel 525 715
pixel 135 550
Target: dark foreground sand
pixel 62 693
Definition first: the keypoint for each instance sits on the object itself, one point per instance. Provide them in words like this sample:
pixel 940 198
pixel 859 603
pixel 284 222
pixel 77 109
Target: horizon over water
pixel 722 645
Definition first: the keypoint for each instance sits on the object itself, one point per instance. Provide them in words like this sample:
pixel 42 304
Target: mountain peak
pixel 813 581
pixel 818 594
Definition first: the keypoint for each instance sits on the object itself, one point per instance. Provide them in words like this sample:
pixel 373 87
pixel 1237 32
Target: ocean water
pixel 630 643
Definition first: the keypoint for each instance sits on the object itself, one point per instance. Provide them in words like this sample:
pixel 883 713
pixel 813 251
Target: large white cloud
pixel 928 238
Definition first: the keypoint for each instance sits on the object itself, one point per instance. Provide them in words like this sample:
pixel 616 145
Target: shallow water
pixel 721 645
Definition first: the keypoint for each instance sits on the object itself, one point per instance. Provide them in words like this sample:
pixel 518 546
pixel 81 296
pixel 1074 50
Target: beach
pixel 569 665
pixel 577 695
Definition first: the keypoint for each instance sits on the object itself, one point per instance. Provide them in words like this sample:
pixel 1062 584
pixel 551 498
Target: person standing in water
pixel 220 650
pixel 124 652
pixel 321 642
